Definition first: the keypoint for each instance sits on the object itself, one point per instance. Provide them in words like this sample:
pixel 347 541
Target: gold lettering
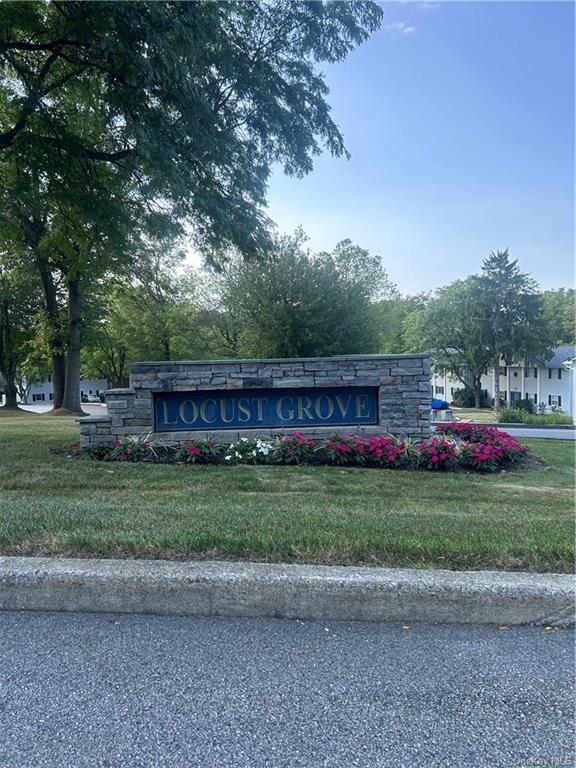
pixel 304 405
pixel 243 409
pixel 341 407
pixel 280 412
pixel 259 407
pixel 165 418
pixel 361 406
pixel 194 409
pixel 203 413
pixel 318 406
pixel 223 404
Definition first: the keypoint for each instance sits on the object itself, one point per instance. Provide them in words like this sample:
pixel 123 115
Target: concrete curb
pixel 288 591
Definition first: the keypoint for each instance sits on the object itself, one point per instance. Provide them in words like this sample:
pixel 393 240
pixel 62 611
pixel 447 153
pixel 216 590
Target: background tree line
pixel 294 302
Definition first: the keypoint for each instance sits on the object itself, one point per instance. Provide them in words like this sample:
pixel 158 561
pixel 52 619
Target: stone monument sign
pixel 228 399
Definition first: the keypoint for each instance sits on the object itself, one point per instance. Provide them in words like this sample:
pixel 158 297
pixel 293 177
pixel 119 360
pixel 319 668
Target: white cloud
pixel 400 26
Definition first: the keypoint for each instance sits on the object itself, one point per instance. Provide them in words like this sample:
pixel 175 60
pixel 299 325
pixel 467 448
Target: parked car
pixel 90 399
pixel 439 405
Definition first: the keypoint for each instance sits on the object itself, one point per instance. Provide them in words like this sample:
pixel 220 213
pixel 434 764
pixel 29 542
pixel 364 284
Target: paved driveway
pixel 124 691
pixel 93 409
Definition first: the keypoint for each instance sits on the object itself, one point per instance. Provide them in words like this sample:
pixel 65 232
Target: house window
pixel 39 397
pixel 503 370
pixel 536 398
pixel 549 373
pixel 49 378
pixel 555 400
pixel 51 396
pixel 451 390
pixel 535 373
pixel 439 390
pixel 559 373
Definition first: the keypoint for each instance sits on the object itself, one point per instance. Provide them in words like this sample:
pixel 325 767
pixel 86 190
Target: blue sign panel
pixel 210 410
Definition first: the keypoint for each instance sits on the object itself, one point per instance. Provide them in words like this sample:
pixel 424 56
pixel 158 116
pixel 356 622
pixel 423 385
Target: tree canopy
pixel 296 303
pixel 473 324
pixel 193 101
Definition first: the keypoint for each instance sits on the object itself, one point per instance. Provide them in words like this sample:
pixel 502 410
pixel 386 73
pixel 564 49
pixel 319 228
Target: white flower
pixel 227 458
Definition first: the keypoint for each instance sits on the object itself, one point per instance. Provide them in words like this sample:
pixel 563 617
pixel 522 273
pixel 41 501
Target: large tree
pixel 177 107
pixel 454 327
pixel 516 328
pixel 395 317
pixel 296 303
pixel 474 324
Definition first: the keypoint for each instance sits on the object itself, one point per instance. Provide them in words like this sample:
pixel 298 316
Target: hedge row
pixel 456 445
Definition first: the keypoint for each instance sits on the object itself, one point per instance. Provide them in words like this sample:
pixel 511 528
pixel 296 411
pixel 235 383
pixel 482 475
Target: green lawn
pixel 483 416
pixel 50 504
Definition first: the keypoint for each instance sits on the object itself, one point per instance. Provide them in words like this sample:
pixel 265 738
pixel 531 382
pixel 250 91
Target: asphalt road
pixel 82 690
pixel 548 434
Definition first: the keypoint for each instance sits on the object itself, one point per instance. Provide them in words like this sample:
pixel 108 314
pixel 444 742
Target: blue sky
pixel 460 121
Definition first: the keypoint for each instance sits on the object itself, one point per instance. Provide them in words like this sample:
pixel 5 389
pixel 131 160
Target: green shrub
pixel 525 404
pixel 510 416
pixel 464 398
pixel 516 416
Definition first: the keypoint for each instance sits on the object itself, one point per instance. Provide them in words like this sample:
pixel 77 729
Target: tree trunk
pixel 55 342
pixel 7 352
pixel 497 384
pixel 477 398
pixel 71 400
pixel 10 391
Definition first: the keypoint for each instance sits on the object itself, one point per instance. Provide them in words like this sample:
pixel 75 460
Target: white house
pixel 547 386
pixel 43 392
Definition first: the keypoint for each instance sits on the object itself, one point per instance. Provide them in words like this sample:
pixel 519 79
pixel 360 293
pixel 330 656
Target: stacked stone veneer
pixel 403 382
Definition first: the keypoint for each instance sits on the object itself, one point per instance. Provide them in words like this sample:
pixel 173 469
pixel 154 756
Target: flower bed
pixel 456 446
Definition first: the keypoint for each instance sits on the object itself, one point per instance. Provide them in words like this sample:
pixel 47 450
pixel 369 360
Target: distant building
pixel 547 386
pixel 43 392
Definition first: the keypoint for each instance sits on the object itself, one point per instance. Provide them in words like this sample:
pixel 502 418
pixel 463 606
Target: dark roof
pixel 561 354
